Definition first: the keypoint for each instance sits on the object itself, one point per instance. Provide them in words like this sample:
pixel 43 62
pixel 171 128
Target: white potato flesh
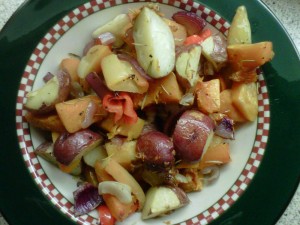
pixel 187 64
pixel 92 156
pixel 159 200
pixel 240 29
pixel 154 43
pixel 118 27
pixel 43 96
pixel 119 75
pixel 92 60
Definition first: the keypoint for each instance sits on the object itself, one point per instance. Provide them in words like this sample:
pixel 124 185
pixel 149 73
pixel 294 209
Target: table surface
pixel 287 11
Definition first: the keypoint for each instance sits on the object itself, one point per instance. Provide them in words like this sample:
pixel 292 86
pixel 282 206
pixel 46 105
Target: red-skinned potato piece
pixel 56 90
pixel 69 148
pixel 192 135
pixel 156 150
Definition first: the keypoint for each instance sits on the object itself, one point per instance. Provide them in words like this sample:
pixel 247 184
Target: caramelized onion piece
pixel 193 23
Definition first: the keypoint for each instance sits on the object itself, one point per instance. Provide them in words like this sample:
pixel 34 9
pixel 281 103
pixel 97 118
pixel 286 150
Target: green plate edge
pixel 277 178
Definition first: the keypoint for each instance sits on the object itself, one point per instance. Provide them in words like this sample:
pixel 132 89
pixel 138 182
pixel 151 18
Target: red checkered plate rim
pixel 31 70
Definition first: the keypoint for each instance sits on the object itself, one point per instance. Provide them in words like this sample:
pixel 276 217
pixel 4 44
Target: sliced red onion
pixel 97 84
pixel 89 114
pixel 135 64
pixel 225 128
pixel 48 77
pixel 106 38
pixel 86 198
pixel 211 173
pixel 193 23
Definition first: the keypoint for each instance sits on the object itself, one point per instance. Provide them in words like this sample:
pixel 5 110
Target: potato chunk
pixel 154 44
pixel 244 98
pixel 208 96
pixel 240 29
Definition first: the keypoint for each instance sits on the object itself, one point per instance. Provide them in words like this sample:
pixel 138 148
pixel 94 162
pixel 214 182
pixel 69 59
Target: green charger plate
pixel 272 187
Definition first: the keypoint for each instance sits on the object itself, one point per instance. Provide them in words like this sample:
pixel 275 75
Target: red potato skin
pixel 156 150
pixel 68 146
pixel 190 135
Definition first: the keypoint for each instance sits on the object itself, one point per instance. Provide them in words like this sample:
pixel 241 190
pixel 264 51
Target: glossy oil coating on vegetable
pixel 144 115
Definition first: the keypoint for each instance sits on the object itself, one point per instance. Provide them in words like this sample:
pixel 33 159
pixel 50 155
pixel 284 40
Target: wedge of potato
pixel 118 27
pixel 240 29
pixel 154 44
pixel 91 62
pixel 56 90
pixel 121 76
pixel 187 64
pixel 244 98
pixel 208 96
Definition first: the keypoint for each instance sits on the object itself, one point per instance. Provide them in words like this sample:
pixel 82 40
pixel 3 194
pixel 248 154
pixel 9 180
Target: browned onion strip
pixel 135 64
pixel 97 84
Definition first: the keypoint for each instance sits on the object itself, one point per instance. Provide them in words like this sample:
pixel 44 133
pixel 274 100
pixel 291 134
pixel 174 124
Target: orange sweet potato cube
pixel 208 96
pixel 73 112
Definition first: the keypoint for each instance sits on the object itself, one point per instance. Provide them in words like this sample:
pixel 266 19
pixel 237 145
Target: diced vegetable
pixel 163 199
pixel 119 190
pixel 71 66
pixel 86 199
pixel 244 98
pixel 122 151
pixel 98 153
pixel 208 96
pixel 187 66
pixel 228 108
pixel 48 122
pixel 121 175
pixel 105 215
pixel 91 62
pixel 120 75
pixel 121 128
pixel 191 21
pixel 240 29
pixel 191 136
pixel 80 113
pixel 70 148
pixel 117 27
pixel 197 39
pixel 56 90
pixel 178 31
pixel 154 44
pixel 122 106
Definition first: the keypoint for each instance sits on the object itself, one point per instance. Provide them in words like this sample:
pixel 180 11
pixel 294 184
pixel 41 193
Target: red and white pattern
pixel 30 73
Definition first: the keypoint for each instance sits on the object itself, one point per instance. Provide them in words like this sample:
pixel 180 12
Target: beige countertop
pixel 287 11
